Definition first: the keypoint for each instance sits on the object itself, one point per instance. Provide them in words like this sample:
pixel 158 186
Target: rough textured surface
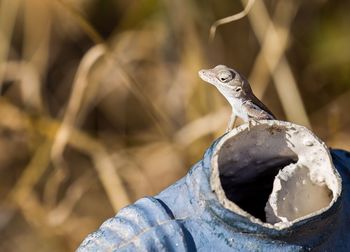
pixel 295 195
pixel 245 164
pixel 188 216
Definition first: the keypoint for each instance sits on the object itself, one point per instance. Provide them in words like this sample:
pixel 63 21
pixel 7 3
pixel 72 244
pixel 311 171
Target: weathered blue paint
pixel 187 217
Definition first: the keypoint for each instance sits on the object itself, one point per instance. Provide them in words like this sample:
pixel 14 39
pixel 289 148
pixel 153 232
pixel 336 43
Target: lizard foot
pixel 251 124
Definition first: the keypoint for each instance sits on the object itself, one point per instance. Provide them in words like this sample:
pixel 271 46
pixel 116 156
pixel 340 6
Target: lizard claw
pixel 250 123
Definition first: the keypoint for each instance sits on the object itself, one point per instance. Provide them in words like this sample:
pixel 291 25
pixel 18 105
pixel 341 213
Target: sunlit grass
pixel 101 120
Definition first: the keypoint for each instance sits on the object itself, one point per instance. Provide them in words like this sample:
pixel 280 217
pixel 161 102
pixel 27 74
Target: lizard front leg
pixel 250 122
pixel 231 122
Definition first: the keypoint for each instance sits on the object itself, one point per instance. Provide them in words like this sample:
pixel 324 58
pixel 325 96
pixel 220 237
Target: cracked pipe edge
pixel 312 153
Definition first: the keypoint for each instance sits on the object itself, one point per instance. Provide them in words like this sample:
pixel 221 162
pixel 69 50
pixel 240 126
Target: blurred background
pixel 101 103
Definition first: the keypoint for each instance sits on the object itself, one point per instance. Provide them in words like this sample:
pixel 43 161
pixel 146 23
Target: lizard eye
pixel 225 76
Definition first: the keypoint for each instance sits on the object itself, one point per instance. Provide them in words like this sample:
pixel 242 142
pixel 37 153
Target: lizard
pixel 237 91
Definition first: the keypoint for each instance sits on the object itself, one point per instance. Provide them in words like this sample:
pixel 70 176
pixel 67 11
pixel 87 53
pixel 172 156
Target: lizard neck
pixel 228 94
pixel 236 103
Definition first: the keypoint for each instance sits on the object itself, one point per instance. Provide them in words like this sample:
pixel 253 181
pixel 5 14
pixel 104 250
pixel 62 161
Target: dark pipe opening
pixel 251 194
pixel 248 164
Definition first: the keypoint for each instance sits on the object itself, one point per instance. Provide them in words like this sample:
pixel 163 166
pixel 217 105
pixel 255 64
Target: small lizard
pixel 237 91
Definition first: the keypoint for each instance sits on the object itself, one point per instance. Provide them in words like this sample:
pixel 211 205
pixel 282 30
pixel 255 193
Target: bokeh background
pixel 101 103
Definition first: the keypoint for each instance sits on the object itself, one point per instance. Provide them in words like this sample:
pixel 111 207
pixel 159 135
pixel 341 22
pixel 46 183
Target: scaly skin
pixel 237 91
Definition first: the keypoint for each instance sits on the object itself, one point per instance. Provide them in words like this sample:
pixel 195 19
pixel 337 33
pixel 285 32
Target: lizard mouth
pixel 206 75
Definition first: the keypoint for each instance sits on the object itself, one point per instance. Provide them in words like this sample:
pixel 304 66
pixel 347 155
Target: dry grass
pixel 101 104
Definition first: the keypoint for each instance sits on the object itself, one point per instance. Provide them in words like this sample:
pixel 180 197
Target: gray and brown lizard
pixel 237 91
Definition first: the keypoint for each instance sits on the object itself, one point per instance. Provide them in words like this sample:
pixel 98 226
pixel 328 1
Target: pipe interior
pixel 248 164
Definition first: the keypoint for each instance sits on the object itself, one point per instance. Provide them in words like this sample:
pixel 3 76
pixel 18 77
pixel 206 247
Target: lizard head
pixel 225 78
